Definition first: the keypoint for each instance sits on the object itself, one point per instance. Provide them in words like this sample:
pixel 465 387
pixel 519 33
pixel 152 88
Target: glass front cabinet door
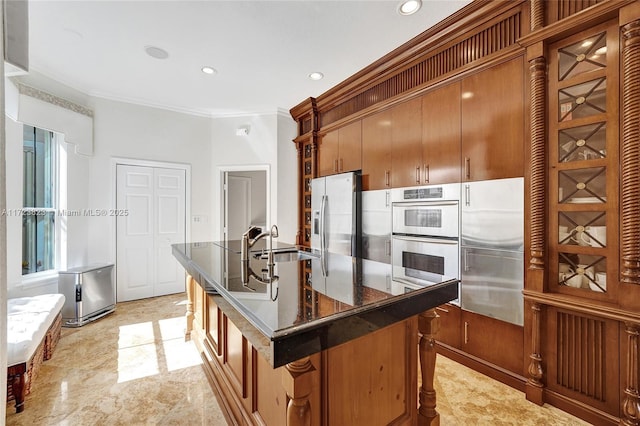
pixel 583 158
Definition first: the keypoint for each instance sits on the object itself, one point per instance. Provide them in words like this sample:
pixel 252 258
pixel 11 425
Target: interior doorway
pixel 152 197
pixel 245 200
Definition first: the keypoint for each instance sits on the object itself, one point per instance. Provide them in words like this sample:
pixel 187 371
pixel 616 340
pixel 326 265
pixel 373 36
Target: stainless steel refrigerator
pixel 492 249
pixel 336 232
pixel 335 214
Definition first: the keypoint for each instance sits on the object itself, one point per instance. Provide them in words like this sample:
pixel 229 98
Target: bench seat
pixel 33 330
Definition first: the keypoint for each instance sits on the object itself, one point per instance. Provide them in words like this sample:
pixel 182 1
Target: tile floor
pixel 133 367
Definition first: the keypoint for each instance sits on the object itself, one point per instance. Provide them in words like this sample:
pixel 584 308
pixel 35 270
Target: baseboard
pixel 493 371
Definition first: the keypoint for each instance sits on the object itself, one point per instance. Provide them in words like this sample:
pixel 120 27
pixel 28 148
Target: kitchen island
pixel 352 359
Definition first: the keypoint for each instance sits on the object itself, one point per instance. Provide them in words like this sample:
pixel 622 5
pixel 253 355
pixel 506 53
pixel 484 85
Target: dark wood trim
pixel 490 370
pixel 630 155
pixel 579 409
pixel 582 20
pixel 584 306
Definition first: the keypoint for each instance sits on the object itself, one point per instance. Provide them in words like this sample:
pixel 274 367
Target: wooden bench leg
pixel 18 387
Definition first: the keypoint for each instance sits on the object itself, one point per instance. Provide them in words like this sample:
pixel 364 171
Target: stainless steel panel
pixel 492 283
pixel 493 214
pixel 376 225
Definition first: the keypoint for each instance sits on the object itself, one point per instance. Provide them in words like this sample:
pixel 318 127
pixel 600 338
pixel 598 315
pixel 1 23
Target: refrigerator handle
pixel 323 218
pixel 467 195
pixel 465 260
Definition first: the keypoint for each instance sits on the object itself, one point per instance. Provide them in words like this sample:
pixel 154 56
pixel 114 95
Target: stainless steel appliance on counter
pixel 492 249
pixel 425 237
pixel 89 293
pixel 336 214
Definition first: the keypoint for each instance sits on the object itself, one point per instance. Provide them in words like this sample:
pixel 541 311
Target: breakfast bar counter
pixel 352 359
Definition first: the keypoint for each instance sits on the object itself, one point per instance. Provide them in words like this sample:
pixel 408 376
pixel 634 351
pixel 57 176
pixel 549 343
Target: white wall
pixel 268 143
pixel 131 131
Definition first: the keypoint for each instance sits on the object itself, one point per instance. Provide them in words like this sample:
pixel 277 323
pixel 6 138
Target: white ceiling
pixel 263 50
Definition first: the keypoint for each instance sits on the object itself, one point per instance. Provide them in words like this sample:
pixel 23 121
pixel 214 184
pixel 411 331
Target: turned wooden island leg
pixel 428 326
pixel 190 282
pixel 296 379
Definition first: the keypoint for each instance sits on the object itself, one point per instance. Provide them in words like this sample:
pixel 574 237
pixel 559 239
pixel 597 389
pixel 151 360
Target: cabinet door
pixel 493 123
pixel 441 135
pixel 376 151
pixel 350 147
pixel 449 332
pixel 328 153
pixel 492 340
pixel 406 135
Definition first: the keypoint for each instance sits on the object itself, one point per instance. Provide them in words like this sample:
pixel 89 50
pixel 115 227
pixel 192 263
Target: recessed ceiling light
pixel 156 52
pixel 209 70
pixel 408 7
pixel 316 76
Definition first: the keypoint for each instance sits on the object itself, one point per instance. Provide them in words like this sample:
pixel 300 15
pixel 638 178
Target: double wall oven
pixel 425 235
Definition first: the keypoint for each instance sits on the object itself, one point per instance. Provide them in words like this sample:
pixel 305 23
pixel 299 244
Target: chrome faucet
pixel 249 238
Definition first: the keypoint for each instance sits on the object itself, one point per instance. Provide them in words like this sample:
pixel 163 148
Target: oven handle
pixel 426 204
pixel 425 240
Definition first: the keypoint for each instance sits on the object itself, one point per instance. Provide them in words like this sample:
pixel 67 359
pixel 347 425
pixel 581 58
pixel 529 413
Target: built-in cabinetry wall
pixel 540 89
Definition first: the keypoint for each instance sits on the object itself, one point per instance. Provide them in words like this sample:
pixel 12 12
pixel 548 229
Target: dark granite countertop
pixel 365 298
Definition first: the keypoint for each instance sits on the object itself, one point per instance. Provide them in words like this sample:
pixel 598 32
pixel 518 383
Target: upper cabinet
pixel 583 163
pixel 406 143
pixel 441 135
pixel 376 151
pixel 493 122
pixel 340 150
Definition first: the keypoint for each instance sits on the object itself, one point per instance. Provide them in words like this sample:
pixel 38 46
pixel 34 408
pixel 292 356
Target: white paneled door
pixel 153 199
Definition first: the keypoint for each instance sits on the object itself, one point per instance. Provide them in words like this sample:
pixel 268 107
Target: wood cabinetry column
pixel 630 155
pixel 534 385
pixel 537 14
pixel 296 379
pixel 428 326
pixel 190 282
pixel 537 185
pixel 631 401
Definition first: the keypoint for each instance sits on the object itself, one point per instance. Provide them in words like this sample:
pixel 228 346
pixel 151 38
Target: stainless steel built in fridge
pixel 336 232
pixel 492 249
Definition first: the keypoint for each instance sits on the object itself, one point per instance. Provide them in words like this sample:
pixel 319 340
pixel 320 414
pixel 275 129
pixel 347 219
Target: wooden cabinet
pixel 441 135
pixel 493 122
pixel 450 331
pixel 376 151
pixel 340 150
pixel 406 143
pixel 583 165
pixel 494 341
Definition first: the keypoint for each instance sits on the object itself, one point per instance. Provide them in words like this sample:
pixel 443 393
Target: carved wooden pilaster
pixel 630 156
pixel 535 359
pixel 296 379
pixel 189 315
pixel 428 326
pixel 537 75
pixel 300 231
pixel 631 400
pixel 537 14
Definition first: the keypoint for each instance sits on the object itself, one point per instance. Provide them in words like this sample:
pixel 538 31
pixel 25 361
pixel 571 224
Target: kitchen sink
pixel 285 255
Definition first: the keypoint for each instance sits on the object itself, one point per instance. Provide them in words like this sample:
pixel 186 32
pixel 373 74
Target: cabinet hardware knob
pixel 418 174
pixel 466 332
pixel 426 173
pixel 386 177
pixel 467 167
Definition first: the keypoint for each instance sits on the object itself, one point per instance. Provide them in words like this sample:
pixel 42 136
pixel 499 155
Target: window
pixel 39 200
